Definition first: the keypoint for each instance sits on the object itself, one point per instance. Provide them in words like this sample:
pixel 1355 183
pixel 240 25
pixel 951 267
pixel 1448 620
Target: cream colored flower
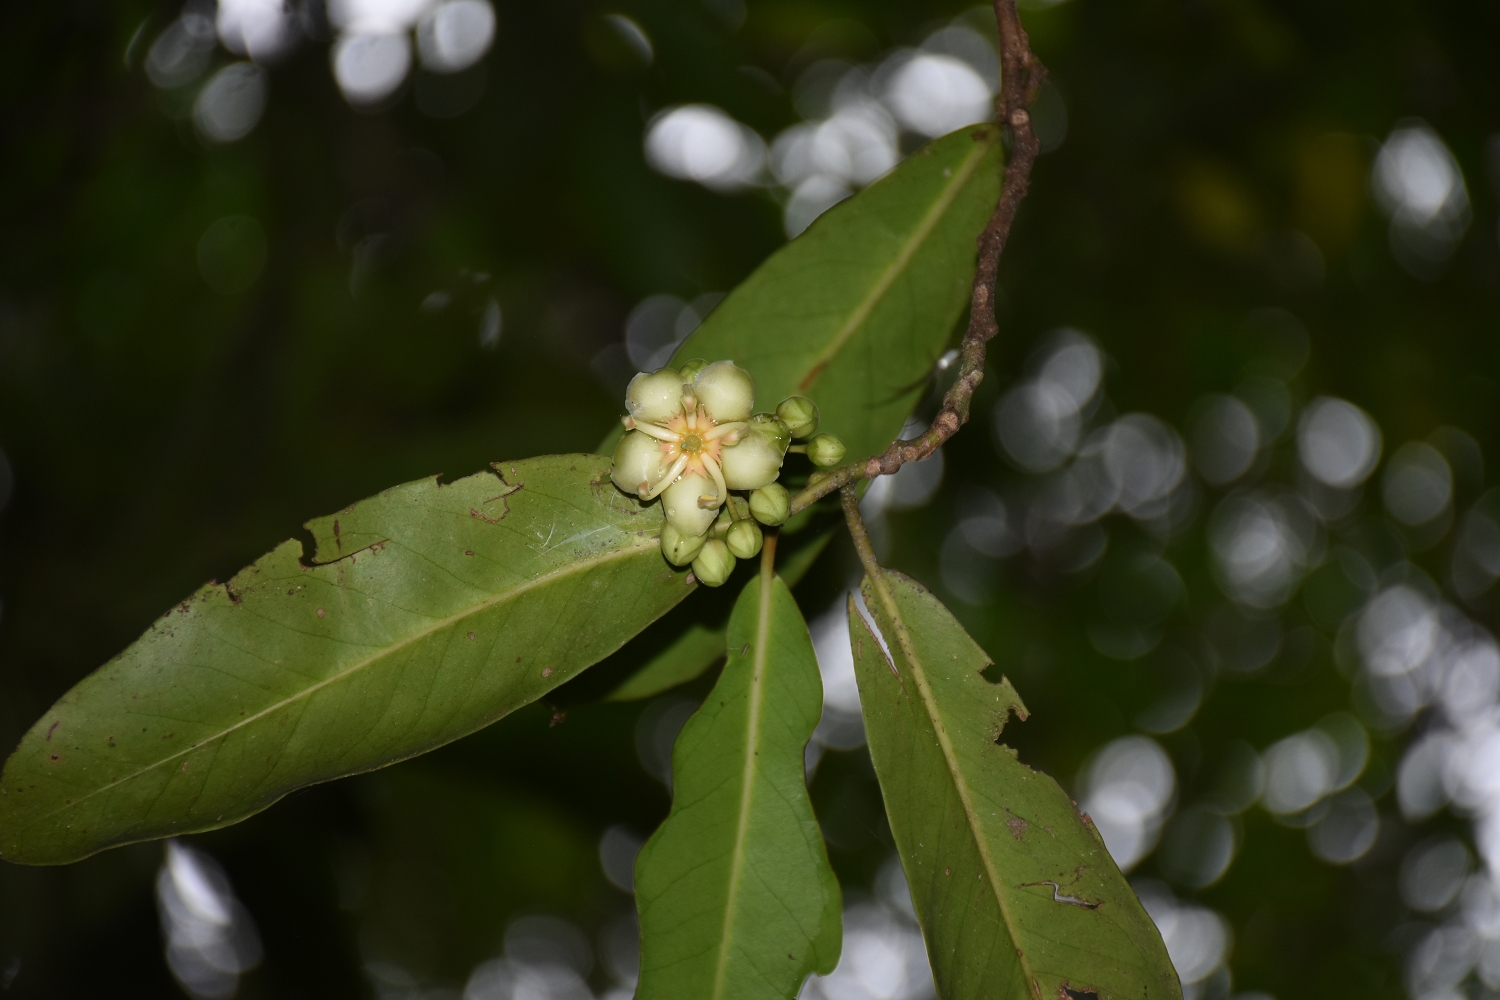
pixel 691 442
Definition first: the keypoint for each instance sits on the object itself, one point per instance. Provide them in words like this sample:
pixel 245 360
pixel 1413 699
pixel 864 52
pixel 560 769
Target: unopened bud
pixel 744 539
pixel 678 547
pixel 800 415
pixel 689 370
pixel 714 563
pixel 825 451
pixel 770 504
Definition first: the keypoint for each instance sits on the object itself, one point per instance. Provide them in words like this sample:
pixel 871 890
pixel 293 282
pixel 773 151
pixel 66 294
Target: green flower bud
pixel 683 503
pixel 726 391
pixel 825 451
pixel 721 524
pixel 679 548
pixel 800 415
pixel 714 564
pixel 656 397
pixel 770 504
pixel 773 429
pixel 690 369
pixel 744 539
pixel 638 460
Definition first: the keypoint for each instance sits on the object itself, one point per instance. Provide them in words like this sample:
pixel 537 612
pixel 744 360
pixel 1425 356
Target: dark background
pixel 159 433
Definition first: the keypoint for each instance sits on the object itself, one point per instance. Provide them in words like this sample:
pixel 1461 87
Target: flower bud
pixel 689 370
pixel 638 460
pixel 770 504
pixel 680 549
pixel 744 539
pixel 654 398
pixel 726 391
pixel 721 524
pixel 714 563
pixel 684 512
pixel 800 415
pixel 825 451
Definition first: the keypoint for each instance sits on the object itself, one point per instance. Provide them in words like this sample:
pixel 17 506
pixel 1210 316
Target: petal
pixel 680 500
pixel 726 391
pixel 751 464
pixel 656 397
pixel 638 459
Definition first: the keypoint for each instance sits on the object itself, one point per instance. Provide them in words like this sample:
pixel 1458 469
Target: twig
pixel 1022 74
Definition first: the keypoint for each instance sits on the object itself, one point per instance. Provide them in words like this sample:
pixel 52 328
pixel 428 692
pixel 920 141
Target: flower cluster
pixel 692 437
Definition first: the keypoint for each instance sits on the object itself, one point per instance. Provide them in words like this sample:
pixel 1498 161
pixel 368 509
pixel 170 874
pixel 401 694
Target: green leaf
pixel 855 311
pixel 690 649
pixel 736 896
pixel 1016 893
pixel 428 612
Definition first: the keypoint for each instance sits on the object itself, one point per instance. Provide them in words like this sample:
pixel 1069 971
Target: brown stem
pixel 1021 76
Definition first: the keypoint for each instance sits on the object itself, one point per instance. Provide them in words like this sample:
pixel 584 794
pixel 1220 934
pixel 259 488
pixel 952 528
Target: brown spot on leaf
pixel 1017 825
pixel 320 612
pixel 51 728
pixel 468 552
pixel 184 767
pixel 546 671
pixel 54 757
pixel 471 635
pixel 1066 992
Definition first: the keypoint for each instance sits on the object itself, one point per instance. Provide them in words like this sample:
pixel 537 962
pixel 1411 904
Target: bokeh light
pixel 699 142
pixel 211 938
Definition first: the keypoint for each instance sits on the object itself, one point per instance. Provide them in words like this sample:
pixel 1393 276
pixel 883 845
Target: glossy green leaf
pixel 1016 894
pixel 855 311
pixel 736 896
pixel 693 641
pixel 428 612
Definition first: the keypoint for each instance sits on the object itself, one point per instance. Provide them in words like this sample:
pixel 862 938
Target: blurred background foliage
pixel 237 293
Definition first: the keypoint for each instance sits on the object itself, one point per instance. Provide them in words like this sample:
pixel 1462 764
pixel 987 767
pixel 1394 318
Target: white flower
pixel 691 440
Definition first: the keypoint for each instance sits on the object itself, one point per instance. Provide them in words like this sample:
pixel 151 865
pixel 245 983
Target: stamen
pixel 667 480
pixel 658 432
pixel 708 501
pixel 628 421
pixel 722 429
pixel 713 470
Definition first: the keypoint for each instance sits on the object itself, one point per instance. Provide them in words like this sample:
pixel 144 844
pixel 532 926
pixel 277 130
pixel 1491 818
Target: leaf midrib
pixel 896 267
pixel 752 740
pixel 950 756
pixel 635 545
